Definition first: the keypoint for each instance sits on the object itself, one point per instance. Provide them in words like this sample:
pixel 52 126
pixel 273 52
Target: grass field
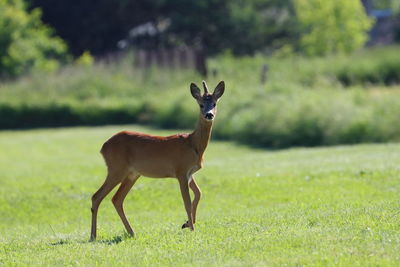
pixel 299 207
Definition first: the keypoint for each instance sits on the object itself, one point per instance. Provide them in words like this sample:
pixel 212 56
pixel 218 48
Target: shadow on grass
pixel 61 242
pixel 115 240
pixel 110 241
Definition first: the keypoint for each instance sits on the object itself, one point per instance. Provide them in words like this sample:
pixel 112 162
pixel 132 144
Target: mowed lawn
pixel 303 206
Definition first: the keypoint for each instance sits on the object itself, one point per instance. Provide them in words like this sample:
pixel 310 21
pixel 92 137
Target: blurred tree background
pixel 240 26
pixel 312 27
pixel 25 42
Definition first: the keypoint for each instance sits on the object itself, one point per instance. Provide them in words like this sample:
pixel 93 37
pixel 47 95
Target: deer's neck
pixel 201 135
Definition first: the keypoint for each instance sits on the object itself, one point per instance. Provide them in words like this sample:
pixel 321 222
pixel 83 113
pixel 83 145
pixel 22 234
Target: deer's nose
pixel 209 116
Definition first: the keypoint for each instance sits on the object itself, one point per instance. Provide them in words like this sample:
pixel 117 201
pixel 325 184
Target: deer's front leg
pixel 197 195
pixel 186 199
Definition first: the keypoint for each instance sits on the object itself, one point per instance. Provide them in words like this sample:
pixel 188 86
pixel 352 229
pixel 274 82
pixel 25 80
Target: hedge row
pixel 275 120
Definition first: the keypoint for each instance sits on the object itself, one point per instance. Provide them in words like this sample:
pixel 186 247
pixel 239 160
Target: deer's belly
pixel 154 169
pixel 162 168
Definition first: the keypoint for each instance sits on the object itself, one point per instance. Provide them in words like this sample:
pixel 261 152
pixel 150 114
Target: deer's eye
pixel 201 105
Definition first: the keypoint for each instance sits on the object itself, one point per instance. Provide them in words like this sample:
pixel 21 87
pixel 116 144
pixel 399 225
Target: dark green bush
pixel 385 71
pixel 379 66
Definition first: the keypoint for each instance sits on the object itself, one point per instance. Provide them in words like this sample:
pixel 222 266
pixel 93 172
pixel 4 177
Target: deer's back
pixel 152 156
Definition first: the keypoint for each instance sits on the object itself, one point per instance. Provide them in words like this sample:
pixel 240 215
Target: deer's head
pixel 207 102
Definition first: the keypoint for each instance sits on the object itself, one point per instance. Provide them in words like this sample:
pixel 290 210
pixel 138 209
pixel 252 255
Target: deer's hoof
pixel 185 225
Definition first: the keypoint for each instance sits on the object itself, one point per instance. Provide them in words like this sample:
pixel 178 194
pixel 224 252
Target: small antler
pixel 205 87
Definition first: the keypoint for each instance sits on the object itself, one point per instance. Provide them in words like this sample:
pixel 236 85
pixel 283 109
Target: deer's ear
pixel 219 90
pixel 195 91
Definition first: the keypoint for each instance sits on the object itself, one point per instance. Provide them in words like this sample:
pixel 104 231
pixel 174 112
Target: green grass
pixel 320 206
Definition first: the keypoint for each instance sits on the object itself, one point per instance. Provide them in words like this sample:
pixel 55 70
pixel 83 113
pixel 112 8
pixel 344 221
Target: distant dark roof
pixel 380 13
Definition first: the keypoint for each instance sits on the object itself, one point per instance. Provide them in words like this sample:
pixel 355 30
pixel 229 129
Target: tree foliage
pixel 315 27
pixel 25 42
pixel 96 25
pixel 262 24
pixel 330 26
pixel 240 26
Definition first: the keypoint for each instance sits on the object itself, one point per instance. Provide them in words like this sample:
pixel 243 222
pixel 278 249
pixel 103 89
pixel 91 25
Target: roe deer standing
pixel 128 155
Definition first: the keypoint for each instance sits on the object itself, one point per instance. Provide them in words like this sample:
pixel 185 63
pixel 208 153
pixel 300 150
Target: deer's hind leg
pixel 113 178
pixel 119 197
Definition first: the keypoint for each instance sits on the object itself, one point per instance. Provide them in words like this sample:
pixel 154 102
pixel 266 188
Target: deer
pixel 129 155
